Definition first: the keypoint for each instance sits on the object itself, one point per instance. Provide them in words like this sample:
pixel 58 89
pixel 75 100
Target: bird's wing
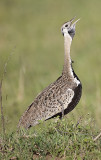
pixel 53 100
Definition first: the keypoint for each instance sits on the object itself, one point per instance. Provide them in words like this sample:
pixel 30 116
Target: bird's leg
pixel 62 108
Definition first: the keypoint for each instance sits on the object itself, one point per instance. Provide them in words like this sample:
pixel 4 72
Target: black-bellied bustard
pixel 60 97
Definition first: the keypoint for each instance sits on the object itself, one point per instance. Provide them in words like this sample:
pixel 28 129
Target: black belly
pixel 73 103
pixel 75 100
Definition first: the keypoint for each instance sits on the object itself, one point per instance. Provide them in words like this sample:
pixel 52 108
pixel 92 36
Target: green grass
pixel 30 33
pixel 57 139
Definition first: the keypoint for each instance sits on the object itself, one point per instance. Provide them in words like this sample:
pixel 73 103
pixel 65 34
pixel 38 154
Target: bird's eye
pixel 66 25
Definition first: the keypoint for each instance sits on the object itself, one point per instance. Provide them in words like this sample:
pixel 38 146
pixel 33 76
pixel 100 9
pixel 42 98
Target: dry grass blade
pixel 1 82
pixel 1 107
pixel 98 136
pixel 79 121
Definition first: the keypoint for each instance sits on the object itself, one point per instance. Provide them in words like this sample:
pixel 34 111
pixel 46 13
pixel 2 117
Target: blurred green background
pixel 30 37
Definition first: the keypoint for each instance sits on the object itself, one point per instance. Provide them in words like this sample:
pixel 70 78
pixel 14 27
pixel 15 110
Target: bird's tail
pixel 25 120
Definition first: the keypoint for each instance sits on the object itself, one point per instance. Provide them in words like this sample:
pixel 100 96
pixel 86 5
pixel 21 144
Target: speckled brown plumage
pixel 59 97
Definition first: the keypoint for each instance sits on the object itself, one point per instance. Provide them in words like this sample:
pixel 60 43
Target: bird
pixel 61 96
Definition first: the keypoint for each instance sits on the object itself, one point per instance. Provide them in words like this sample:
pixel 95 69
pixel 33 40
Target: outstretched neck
pixel 67 60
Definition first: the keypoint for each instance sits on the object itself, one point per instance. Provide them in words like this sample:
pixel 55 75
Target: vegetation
pixel 31 57
pixel 56 140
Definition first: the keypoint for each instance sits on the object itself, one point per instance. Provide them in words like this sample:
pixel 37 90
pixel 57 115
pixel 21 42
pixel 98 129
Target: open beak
pixel 71 30
pixel 73 25
pixel 75 22
pixel 72 19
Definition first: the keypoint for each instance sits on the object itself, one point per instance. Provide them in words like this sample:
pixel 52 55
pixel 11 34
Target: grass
pixel 30 33
pixel 56 140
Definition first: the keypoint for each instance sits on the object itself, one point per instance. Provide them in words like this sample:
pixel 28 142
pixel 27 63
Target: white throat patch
pixel 75 79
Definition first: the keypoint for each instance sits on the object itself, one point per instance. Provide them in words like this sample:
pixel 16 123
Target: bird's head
pixel 69 28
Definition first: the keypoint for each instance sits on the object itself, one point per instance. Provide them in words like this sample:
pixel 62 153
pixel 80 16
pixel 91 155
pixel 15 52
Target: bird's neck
pixel 67 60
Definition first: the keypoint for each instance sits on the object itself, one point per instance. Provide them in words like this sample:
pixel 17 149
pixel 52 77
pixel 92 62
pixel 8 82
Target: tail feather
pixel 25 120
pixel 31 116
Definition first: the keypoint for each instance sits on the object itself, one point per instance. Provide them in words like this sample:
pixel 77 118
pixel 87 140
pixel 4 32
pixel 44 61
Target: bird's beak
pixel 75 22
pixel 72 26
pixel 71 30
pixel 72 19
